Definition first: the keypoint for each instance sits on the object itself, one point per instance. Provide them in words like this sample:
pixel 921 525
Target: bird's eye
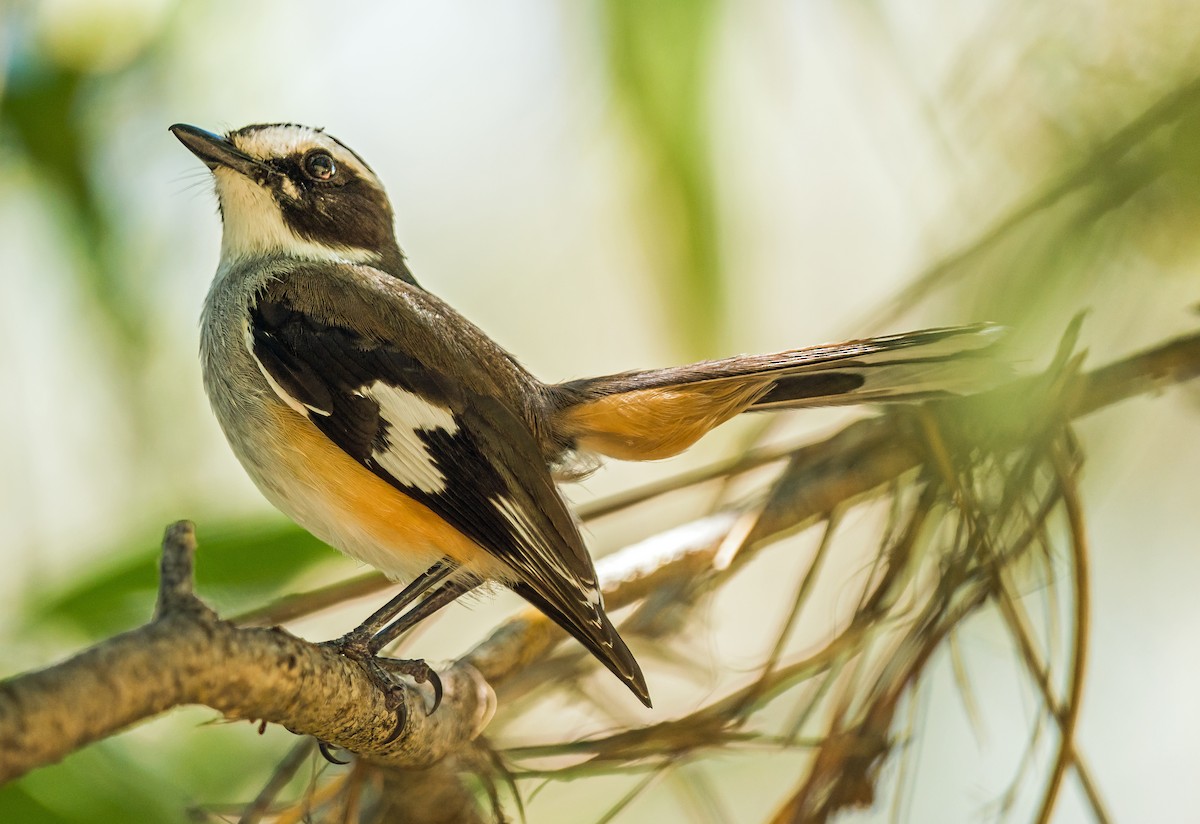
pixel 319 165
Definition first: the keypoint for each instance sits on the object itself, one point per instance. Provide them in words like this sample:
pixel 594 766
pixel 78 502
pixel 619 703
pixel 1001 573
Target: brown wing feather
pixel 493 484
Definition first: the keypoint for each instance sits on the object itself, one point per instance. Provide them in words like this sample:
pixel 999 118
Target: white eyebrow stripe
pixel 278 141
pixel 284 140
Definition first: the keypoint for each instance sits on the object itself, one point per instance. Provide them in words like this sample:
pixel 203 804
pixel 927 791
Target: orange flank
pixel 364 515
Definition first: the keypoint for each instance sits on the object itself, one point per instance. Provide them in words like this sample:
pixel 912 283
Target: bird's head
pixel 293 191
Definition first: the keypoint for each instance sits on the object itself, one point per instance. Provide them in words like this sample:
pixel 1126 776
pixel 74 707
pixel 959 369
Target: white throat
pixel 254 227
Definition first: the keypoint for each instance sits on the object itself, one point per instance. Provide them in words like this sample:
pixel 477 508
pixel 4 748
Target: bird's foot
pixel 357 647
pixel 417 670
pixel 354 644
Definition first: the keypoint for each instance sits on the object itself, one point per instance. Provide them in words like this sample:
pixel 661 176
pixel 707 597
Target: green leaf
pixel 16 804
pixel 658 57
pixel 97 784
pixel 237 565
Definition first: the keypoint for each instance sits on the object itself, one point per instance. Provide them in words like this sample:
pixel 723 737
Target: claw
pixel 435 681
pixel 401 717
pixel 356 646
pixel 420 672
pixel 396 704
pixel 323 748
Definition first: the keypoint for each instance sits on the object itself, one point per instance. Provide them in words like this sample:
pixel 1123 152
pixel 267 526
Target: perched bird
pixel 392 428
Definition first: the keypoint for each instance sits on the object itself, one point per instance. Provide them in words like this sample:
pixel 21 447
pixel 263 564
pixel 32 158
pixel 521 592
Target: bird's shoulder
pixel 379 312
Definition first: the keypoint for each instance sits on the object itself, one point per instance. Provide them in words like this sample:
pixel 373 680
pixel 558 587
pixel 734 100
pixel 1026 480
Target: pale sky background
pixel 512 176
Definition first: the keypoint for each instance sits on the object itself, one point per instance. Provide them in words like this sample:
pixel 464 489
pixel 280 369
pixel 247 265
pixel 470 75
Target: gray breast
pixel 236 388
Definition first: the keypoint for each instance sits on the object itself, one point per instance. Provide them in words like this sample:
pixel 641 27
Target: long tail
pixel 647 415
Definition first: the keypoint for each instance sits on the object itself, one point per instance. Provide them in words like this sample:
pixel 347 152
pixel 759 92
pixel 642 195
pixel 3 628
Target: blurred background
pixel 601 186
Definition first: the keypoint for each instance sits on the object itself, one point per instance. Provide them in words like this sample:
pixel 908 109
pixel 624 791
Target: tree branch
pixel 187 655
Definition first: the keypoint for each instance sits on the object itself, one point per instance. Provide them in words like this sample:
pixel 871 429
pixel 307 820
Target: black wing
pixel 425 401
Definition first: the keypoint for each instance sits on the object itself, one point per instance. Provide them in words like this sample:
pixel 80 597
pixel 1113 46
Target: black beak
pixel 215 150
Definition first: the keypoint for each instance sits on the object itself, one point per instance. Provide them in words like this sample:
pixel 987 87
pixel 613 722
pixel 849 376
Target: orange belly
pixel 347 505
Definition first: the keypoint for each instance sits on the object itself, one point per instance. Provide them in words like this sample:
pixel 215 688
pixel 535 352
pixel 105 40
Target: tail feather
pixel 956 365
pixel 658 413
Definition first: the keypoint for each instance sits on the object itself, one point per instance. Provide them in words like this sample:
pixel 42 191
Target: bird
pixel 389 426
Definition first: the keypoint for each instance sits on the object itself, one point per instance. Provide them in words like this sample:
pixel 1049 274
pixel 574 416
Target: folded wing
pixel 395 395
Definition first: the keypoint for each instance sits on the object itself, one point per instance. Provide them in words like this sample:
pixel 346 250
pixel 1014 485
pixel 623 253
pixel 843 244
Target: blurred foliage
pixel 98 784
pixel 241 565
pixel 659 54
pixel 42 116
pixel 1133 189
pixel 136 778
pixel 1125 187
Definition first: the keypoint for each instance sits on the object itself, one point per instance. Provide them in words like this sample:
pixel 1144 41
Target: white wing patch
pixel 408 458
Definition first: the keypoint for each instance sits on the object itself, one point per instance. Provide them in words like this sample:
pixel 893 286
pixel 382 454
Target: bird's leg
pixel 417 669
pixel 430 604
pixel 365 642
pixel 356 643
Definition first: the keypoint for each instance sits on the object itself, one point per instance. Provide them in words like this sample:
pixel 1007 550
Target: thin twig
pixel 1068 716
pixel 284 771
pixel 175 592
